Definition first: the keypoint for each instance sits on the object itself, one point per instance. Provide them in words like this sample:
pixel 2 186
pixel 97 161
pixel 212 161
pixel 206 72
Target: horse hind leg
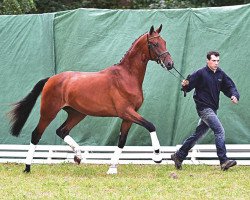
pixel 125 126
pixel 47 115
pixel 74 117
pixel 35 138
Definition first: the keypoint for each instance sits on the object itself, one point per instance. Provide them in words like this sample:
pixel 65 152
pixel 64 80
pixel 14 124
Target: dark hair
pixel 215 53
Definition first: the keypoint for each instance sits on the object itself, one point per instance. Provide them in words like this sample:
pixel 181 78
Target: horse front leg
pixel 125 126
pixel 138 119
pixel 157 157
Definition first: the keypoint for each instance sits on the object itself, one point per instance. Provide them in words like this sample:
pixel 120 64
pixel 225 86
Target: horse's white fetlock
pixel 78 156
pixel 112 169
pixel 157 157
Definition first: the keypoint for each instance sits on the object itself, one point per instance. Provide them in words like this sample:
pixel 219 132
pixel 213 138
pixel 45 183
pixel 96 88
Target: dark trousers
pixel 208 119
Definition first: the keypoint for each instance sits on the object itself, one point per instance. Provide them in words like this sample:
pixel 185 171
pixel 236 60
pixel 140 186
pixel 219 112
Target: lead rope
pixel 183 88
pixel 172 72
pixel 158 60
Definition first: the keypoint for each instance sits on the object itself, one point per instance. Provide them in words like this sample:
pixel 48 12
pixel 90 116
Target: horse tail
pixel 22 109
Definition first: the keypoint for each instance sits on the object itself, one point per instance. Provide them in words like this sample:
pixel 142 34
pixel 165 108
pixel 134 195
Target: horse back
pixel 104 93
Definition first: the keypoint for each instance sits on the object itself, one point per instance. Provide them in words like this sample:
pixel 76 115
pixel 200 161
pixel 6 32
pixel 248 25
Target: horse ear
pixel 151 30
pixel 159 29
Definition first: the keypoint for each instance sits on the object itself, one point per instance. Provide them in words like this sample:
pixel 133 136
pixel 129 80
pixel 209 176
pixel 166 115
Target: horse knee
pixel 122 140
pixel 149 126
pixel 62 133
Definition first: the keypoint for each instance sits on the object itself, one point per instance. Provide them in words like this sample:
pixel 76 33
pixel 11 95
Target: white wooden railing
pixel 51 154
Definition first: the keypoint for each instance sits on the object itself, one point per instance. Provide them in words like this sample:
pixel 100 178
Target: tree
pixel 44 6
pixel 15 7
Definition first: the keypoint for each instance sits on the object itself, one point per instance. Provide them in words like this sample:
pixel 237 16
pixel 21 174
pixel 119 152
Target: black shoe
pixel 177 162
pixel 226 165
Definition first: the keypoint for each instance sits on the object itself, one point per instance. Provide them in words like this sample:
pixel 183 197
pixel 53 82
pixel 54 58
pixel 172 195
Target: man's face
pixel 213 63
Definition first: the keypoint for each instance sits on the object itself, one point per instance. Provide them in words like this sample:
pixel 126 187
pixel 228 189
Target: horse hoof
pixel 27 169
pixel 157 158
pixel 112 170
pixel 77 160
pixel 158 161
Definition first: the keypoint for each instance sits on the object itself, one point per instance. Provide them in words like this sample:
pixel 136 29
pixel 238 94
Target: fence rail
pixel 52 154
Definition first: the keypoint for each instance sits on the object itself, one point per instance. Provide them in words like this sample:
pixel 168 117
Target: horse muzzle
pixel 169 65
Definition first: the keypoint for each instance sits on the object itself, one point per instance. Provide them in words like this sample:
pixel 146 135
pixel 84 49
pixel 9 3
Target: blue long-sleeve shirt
pixel 208 85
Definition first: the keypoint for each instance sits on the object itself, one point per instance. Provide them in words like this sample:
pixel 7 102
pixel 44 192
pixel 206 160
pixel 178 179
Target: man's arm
pixel 191 81
pixel 229 89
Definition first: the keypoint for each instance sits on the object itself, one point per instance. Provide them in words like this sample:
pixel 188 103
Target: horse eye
pixel 156 44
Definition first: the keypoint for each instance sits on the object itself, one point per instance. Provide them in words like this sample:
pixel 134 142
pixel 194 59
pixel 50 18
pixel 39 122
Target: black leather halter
pixel 151 47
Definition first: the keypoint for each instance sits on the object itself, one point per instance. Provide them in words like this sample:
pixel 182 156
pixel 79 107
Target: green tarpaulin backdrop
pixel 33 47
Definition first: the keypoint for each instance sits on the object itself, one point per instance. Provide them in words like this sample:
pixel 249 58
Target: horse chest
pixel 136 98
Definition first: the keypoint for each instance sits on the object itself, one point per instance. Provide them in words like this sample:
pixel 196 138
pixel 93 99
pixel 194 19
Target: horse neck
pixel 136 59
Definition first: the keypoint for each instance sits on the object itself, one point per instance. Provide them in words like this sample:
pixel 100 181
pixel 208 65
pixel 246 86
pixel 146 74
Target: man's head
pixel 213 59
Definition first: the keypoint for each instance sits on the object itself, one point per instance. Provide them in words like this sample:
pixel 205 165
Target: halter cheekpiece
pixel 151 47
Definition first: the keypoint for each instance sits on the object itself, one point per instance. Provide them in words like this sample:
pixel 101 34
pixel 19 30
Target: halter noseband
pixel 151 47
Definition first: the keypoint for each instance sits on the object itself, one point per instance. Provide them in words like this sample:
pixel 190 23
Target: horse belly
pixel 93 108
pixel 91 97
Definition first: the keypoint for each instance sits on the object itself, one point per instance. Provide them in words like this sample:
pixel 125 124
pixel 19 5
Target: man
pixel 208 82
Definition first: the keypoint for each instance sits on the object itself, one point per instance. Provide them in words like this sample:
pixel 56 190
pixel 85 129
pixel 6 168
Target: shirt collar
pixel 211 71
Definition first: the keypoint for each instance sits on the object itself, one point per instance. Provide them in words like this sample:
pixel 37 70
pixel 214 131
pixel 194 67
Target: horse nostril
pixel 171 64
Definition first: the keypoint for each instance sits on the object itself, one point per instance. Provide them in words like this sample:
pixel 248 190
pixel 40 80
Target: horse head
pixel 158 49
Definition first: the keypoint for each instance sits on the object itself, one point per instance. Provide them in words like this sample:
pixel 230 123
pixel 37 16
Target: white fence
pixel 51 154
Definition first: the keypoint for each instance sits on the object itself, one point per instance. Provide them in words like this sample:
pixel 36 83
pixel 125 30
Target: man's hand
pixel 234 99
pixel 184 82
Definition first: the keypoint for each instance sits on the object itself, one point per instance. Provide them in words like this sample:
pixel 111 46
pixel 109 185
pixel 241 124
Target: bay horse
pixel 113 92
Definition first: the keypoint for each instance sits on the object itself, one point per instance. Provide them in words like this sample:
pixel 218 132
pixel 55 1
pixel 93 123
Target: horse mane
pixel 132 45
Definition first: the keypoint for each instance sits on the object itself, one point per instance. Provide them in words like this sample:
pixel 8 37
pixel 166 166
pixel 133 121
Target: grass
pixel 156 182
